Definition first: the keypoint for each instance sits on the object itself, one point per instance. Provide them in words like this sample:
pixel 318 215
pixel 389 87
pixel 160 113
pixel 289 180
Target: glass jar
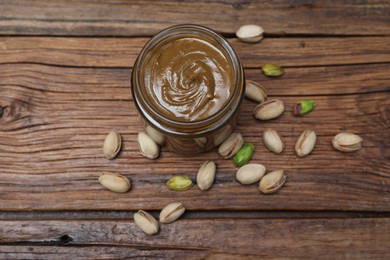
pixel 188 83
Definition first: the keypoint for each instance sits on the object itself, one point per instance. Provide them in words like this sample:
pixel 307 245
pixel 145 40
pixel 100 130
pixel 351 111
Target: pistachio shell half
pixel 250 33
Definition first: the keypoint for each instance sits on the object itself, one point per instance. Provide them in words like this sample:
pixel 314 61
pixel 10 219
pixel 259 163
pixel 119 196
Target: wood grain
pixel 55 120
pixel 134 18
pixel 195 239
pixel 122 52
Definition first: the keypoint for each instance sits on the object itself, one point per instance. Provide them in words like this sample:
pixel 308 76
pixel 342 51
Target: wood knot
pixel 65 239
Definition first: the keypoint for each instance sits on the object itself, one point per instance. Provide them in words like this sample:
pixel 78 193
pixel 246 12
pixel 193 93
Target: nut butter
pixel 188 83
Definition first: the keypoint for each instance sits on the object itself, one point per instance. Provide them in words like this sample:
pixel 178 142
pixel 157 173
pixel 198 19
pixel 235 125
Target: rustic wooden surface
pixel 65 82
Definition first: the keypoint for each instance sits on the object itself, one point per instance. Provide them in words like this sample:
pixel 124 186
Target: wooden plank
pixel 129 18
pixel 122 52
pixel 215 238
pixel 55 120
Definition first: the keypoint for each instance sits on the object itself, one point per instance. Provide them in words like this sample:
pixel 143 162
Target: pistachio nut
pixel 222 134
pixel 272 181
pixel 112 145
pixel 303 107
pixel 254 91
pixel 250 173
pixel 146 222
pixel 305 143
pixel 272 70
pixel 347 142
pixel 114 182
pixel 273 141
pixel 206 175
pixel 147 146
pixel 243 156
pixel 231 145
pixel 171 212
pixel 158 137
pixel 269 110
pixel 250 33
pixel 179 183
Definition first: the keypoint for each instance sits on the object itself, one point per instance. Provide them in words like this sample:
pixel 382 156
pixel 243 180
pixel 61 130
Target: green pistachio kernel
pixel 303 107
pixel 272 70
pixel 179 183
pixel 243 156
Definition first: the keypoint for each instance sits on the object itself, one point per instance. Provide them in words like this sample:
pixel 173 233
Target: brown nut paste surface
pixel 188 78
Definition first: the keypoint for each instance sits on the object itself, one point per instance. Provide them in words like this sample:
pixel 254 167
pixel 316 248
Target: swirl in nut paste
pixel 188 78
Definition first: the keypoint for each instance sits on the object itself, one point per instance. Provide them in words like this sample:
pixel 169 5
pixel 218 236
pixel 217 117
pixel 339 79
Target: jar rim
pixel 191 128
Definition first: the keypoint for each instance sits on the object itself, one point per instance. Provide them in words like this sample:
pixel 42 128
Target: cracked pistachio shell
pixel 272 181
pixel 172 212
pixel 201 142
pixel 147 146
pixel 272 70
pixel 250 33
pixel 305 143
pixel 112 145
pixel 347 142
pixel 114 182
pixel 256 92
pixel 146 222
pixel 250 173
pixel 206 175
pixel 179 183
pixel 243 156
pixel 273 141
pixel 231 145
pixel 158 137
pixel 269 110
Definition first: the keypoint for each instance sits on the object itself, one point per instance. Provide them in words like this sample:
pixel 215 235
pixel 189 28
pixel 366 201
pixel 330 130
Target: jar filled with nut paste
pixel 188 84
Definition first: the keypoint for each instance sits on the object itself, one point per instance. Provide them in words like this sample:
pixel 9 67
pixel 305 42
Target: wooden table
pixel 65 83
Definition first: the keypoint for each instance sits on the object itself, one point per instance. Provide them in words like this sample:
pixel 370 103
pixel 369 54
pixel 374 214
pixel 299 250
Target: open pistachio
pixel 303 107
pixel 254 91
pixel 305 143
pixel 114 182
pixel 272 181
pixel 250 173
pixel 147 146
pixel 179 183
pixel 146 222
pixel 112 145
pixel 158 137
pixel 273 141
pixel 250 33
pixel 222 134
pixel 347 142
pixel 269 110
pixel 231 145
pixel 206 175
pixel 272 70
pixel 172 212
pixel 243 156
